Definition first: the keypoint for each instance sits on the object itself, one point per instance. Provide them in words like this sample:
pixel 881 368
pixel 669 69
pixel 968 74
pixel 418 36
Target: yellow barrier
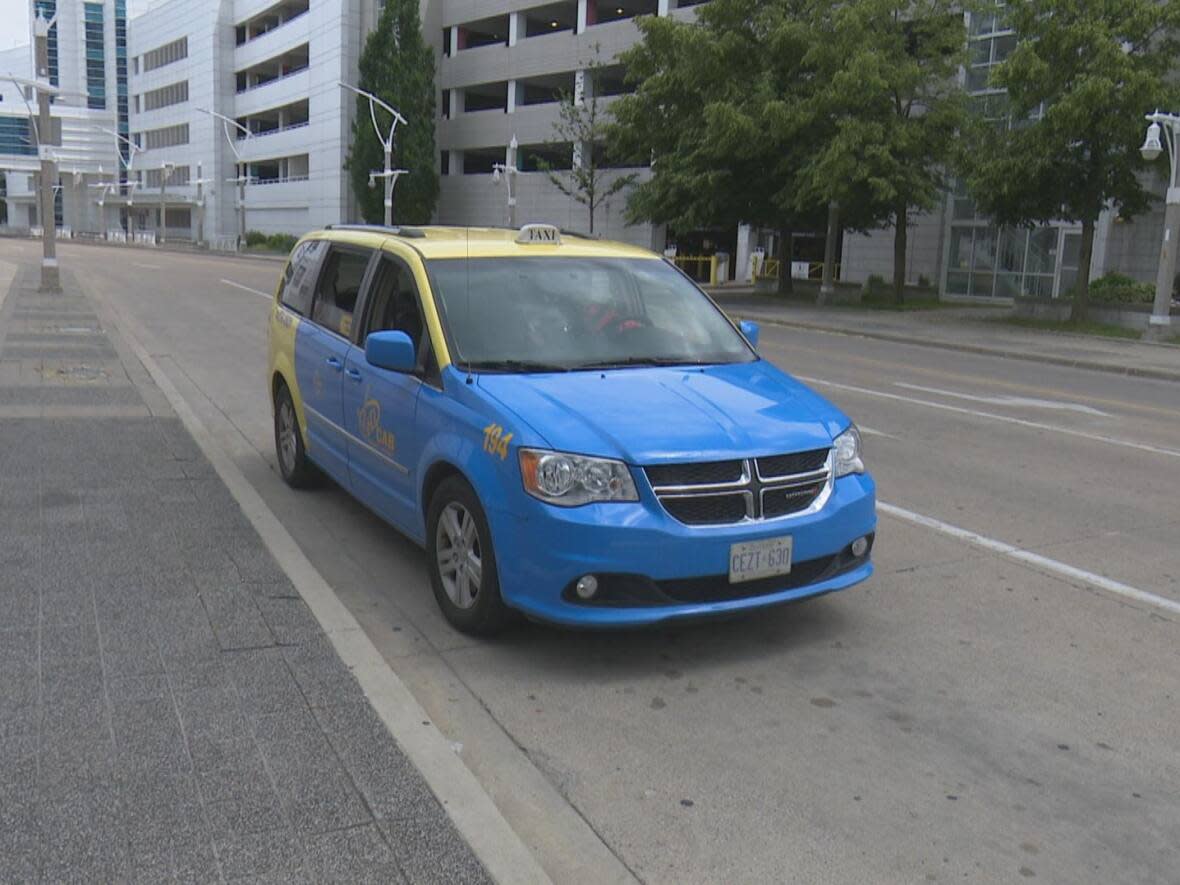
pixel 768 269
pixel 702 268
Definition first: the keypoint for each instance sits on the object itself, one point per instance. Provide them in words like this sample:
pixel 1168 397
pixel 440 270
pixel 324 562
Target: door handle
pixel 335 363
pixel 353 374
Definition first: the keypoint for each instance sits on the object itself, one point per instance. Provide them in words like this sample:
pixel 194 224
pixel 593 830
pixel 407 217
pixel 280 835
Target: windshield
pixel 561 314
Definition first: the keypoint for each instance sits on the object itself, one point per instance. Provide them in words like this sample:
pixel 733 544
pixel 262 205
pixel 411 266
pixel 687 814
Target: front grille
pixel 792 465
pixel 703 473
pixel 729 492
pixel 784 502
pixel 708 509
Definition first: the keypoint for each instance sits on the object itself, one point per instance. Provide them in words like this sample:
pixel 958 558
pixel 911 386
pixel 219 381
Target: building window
pixel 96 57
pixel 178 177
pixel 166 96
pixel 165 55
pixel 168 136
pixel 15 137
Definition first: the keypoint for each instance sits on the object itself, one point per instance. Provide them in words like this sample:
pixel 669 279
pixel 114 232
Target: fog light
pixel 860 547
pixel 586 587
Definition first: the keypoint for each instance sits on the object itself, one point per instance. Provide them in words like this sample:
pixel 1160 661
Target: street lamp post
pixel 390 174
pixel 50 274
pixel 508 172
pixel 200 205
pixel 165 171
pixel 1167 126
pixel 128 164
pixel 242 178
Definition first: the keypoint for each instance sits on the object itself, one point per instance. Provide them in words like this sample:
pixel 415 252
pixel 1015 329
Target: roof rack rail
pixel 410 233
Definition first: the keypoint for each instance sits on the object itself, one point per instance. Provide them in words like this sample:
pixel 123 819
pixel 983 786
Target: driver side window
pixel 394 307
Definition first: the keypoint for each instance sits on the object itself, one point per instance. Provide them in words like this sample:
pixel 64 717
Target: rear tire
pixel 462 561
pixel 294 466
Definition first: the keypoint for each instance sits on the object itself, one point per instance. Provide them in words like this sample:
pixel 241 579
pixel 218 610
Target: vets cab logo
pixel 369 420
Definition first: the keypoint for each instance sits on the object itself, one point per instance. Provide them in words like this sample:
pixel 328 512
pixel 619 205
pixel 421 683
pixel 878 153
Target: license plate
pixel 760 559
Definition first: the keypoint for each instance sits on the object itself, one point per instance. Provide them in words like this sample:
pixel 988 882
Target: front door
pixel 321 349
pixel 380 406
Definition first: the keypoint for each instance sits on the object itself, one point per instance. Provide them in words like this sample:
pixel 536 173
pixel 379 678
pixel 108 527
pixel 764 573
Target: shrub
pixel 924 281
pixel 876 285
pixel 256 239
pixel 1116 288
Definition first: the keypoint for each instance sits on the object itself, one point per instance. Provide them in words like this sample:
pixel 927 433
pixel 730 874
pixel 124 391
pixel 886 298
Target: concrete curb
pixel 166 249
pixel 1092 365
pixel 505 857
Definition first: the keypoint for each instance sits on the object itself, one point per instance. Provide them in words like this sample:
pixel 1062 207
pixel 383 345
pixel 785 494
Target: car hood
pixel 664 415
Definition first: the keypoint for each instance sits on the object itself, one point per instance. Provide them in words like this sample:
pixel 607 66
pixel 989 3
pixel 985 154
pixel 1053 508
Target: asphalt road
pixel 999 703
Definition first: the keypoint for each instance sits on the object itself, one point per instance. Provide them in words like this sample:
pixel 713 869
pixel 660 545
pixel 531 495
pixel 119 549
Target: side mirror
pixel 751 330
pixel 391 350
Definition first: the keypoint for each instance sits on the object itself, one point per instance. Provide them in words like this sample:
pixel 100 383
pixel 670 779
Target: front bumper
pixel 655 569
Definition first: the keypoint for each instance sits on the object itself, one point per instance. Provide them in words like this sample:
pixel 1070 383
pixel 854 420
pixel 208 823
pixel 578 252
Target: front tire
pixel 462 561
pixel 297 471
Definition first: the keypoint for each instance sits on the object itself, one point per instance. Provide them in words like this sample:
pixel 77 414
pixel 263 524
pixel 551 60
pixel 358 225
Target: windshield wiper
pixel 513 366
pixel 630 361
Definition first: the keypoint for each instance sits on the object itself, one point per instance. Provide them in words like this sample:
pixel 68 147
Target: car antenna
pixel 467 294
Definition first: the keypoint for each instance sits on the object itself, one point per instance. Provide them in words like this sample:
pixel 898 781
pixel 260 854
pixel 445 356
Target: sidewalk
pixel 964 329
pixel 169 708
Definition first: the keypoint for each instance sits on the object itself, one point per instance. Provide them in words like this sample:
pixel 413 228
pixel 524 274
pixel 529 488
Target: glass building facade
pixel 96 56
pixel 15 137
pixel 48 9
pixel 983 260
pixel 122 102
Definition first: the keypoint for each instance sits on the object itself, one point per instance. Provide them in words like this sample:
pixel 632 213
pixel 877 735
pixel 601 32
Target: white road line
pixel 1056 405
pixel 869 431
pixel 1043 563
pixel 147 266
pixel 1035 425
pixel 266 295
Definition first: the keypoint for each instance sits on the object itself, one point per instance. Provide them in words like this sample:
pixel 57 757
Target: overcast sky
pixel 14 19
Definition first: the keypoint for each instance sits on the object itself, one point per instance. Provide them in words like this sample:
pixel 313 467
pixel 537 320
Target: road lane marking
pixel 943 375
pixel 1056 405
pixel 959 410
pixel 1042 563
pixel 869 431
pixel 266 295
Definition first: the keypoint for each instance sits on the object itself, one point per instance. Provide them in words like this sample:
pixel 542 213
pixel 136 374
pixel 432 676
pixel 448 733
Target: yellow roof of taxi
pixel 440 242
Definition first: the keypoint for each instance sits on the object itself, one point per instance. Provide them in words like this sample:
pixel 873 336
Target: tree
pixel 583 122
pixel 713 113
pixel 1079 82
pixel 885 110
pixel 769 112
pixel 398 67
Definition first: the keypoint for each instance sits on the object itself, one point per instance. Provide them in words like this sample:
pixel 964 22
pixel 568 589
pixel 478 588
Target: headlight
pixel 848 453
pixel 573 480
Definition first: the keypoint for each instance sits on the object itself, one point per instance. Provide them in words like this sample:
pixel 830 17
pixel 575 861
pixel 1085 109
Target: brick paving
pixel 169 708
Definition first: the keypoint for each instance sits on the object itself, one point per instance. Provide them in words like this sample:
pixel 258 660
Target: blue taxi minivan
pixel 571 428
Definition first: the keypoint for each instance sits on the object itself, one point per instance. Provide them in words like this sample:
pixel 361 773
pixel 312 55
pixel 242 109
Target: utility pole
pixel 390 174
pixel 200 206
pixel 509 172
pixel 50 273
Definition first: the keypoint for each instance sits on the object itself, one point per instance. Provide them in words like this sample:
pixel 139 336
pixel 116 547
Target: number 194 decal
pixel 495 441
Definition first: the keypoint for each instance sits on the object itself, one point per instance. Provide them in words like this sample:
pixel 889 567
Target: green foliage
pixel 398 67
pixel 765 111
pixel 1079 82
pixel 1120 289
pixel 584 122
pixel 875 285
pixel 256 239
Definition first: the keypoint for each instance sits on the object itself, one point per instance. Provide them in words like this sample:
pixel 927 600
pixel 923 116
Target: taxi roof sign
pixel 538 235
